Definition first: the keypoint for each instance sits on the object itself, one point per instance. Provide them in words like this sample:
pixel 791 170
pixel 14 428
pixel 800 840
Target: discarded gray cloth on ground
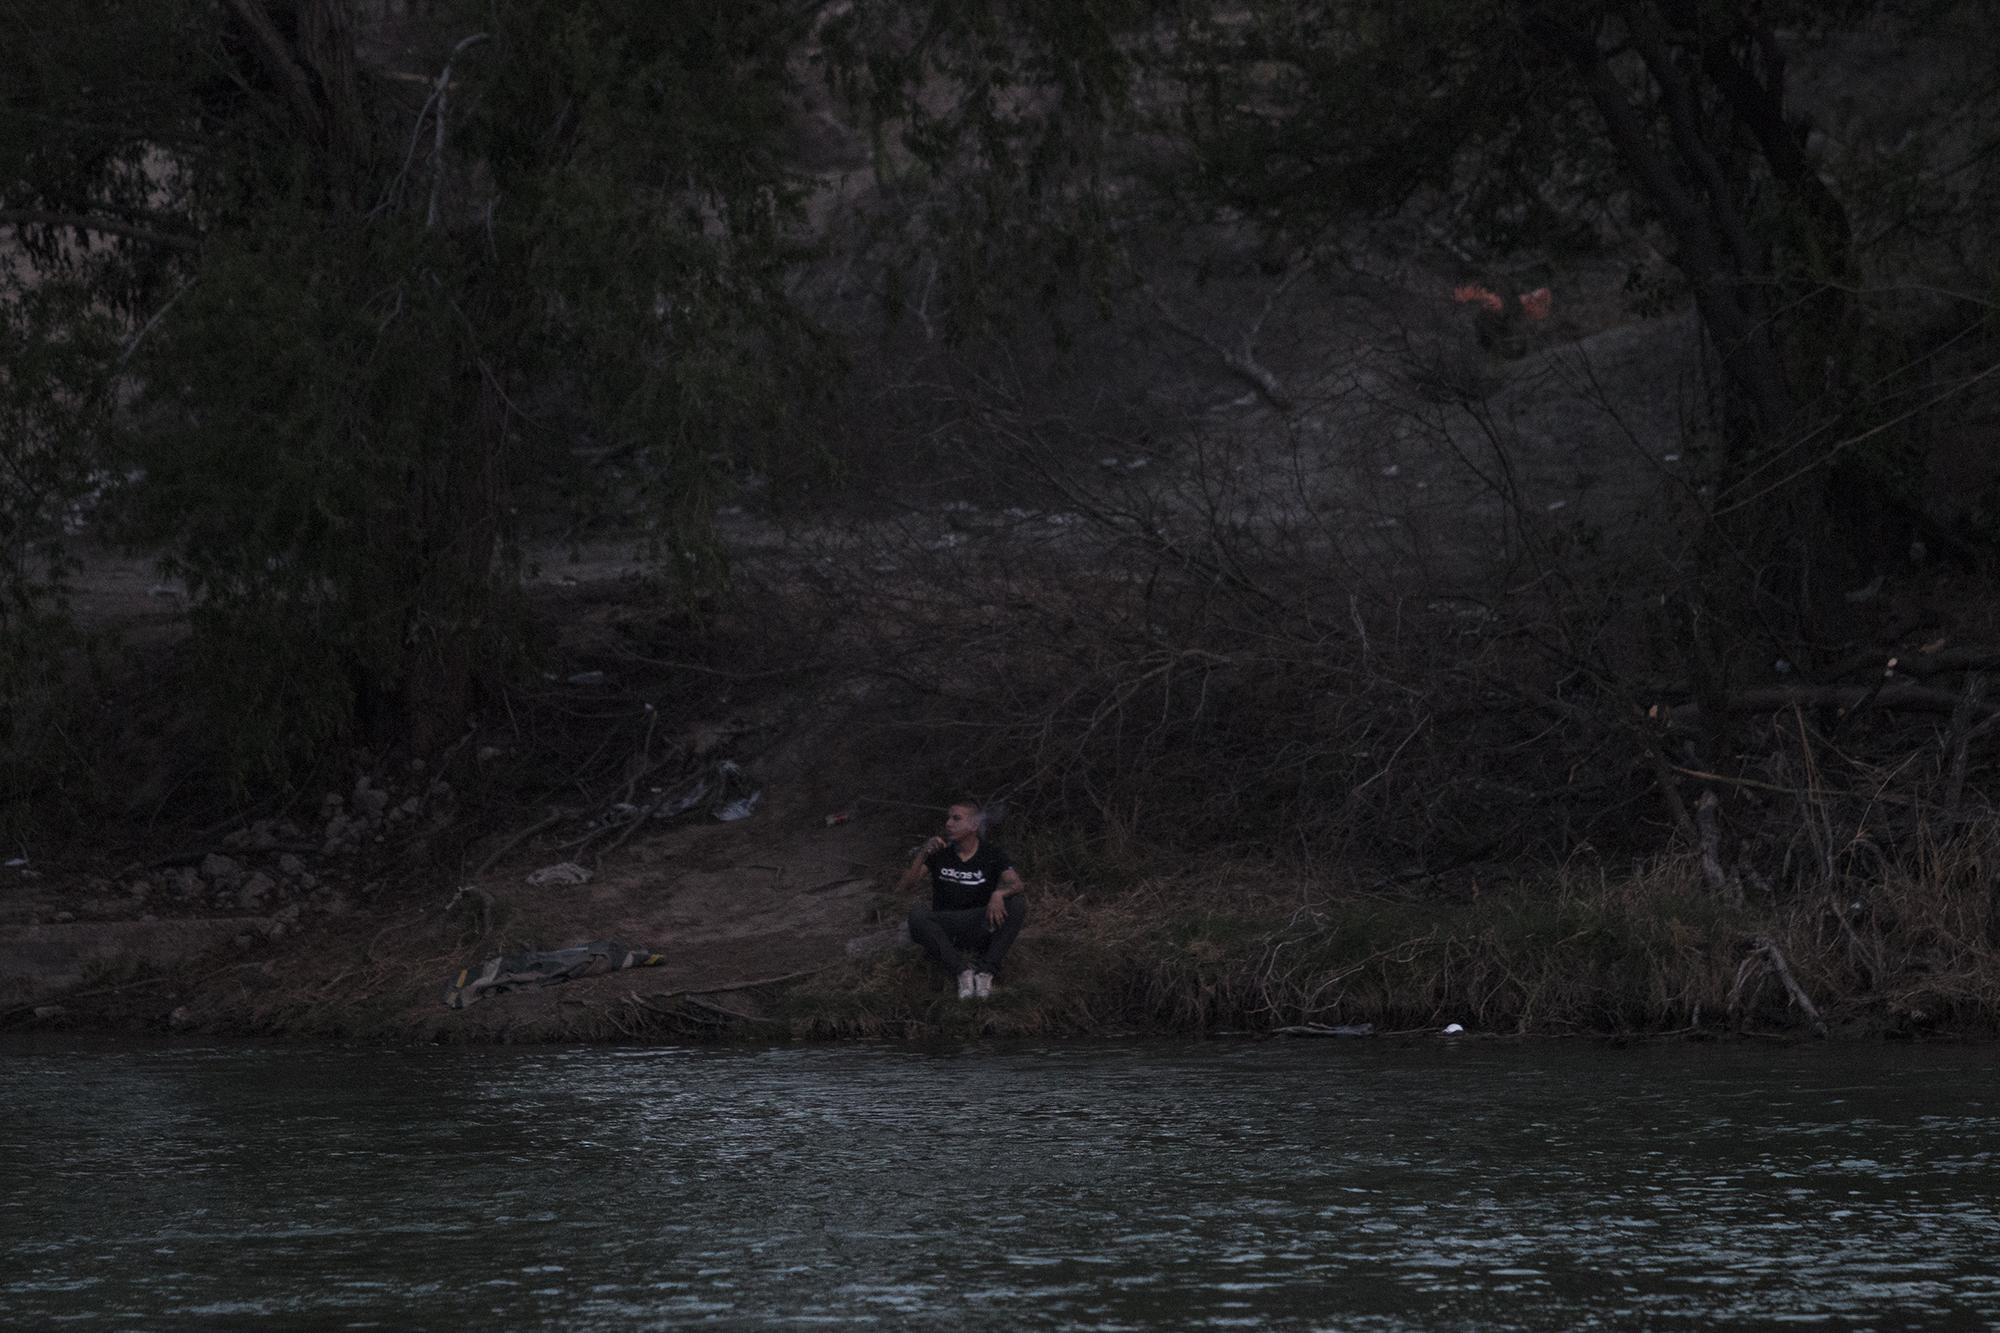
pixel 514 971
pixel 731 794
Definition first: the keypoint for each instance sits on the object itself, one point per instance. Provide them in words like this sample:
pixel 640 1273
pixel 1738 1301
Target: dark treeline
pixel 342 309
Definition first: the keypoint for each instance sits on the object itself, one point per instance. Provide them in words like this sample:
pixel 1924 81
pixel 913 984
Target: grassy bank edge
pixel 1652 953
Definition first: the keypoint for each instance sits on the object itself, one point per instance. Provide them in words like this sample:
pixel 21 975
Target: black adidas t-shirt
pixel 957 885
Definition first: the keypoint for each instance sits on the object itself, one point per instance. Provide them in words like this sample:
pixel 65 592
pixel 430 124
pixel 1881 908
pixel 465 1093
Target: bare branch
pixel 34 217
pixel 1243 364
pixel 441 94
pixel 278 61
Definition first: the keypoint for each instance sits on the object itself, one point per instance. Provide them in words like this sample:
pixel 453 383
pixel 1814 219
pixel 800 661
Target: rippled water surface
pixel 1338 1185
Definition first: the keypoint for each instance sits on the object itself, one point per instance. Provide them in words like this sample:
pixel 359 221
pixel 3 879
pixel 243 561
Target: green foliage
pixel 381 326
pixel 640 194
pixel 54 345
pixel 53 348
pixel 998 141
pixel 311 489
pixel 1305 116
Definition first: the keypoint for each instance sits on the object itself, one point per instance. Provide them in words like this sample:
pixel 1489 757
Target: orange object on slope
pixel 1472 293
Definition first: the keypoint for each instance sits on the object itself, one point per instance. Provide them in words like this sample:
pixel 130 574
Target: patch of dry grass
pixel 1572 953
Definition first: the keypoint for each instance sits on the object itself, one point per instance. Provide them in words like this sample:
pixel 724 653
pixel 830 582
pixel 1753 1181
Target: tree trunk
pixel 451 622
pixel 1797 517
pixel 310 56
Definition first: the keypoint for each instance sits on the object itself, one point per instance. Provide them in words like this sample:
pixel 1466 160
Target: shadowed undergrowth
pixel 1576 954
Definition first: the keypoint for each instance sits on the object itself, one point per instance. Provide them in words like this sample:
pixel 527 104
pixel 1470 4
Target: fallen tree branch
pixel 740 985
pixel 1766 958
pixel 1771 699
pixel 1919 665
pixel 554 817
pixel 1711 851
pixel 633 824
pixel 1776 958
pixel 708 1005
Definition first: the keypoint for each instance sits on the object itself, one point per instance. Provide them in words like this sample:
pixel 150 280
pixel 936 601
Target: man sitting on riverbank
pixel 976 905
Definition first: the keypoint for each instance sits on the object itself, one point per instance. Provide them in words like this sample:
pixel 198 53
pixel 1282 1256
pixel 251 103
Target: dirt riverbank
pixel 781 927
pixel 348 912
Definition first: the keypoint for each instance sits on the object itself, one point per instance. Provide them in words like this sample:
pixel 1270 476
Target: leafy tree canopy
pixel 365 292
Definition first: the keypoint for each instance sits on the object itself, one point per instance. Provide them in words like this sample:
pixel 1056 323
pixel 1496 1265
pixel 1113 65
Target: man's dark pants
pixel 950 937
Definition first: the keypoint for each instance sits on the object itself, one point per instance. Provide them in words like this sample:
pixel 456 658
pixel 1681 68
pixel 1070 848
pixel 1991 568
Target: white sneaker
pixel 966 984
pixel 982 985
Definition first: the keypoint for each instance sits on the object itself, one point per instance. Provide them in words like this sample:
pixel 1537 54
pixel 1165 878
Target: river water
pixel 1338 1184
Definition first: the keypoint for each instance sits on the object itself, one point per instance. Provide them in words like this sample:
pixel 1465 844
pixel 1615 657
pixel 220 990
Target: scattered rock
pixel 63 918
pixel 44 1012
pixel 180 1019
pixel 291 867
pixel 864 946
pixel 562 872
pixel 370 800
pixel 221 870
pixel 256 892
